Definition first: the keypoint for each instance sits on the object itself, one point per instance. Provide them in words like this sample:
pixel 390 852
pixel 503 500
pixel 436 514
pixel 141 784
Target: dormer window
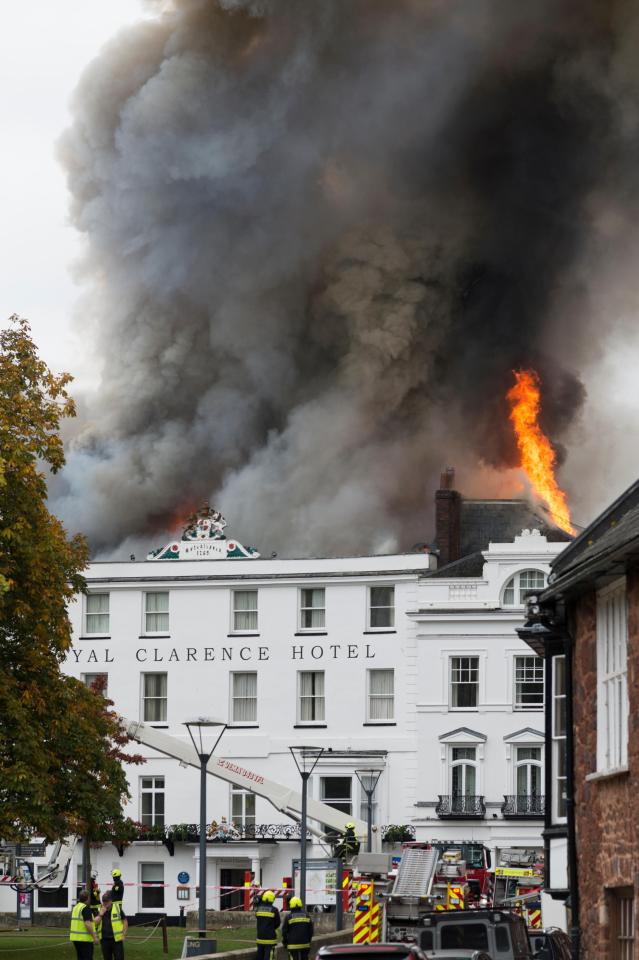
pixel 518 585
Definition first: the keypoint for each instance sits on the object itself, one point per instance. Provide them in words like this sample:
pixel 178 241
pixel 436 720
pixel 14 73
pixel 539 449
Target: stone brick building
pixel 586 624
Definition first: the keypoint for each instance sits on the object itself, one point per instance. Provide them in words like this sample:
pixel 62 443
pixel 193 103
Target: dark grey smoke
pixel 321 234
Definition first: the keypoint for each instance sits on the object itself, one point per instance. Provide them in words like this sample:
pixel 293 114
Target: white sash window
pixel 243 698
pixel 97 613
pixel 612 677
pixel 381 695
pixel 156 612
pixel 313 609
pixel 245 611
pixel 154 697
pixel 311 704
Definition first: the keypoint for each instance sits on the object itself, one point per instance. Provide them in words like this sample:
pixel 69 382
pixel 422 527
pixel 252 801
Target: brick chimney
pixel 447 518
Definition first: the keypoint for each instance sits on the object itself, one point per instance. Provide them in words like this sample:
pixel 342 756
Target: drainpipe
pixel 548 758
pixel 573 878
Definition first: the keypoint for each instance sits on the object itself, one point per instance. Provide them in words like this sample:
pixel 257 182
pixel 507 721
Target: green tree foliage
pixel 61 744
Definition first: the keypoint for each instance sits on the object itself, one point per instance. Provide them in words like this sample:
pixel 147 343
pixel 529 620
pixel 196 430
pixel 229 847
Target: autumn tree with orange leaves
pixel 61 744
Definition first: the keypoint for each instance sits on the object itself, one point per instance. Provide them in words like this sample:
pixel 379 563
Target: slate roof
pixel 471 566
pixel 500 521
pixel 604 546
pixel 493 521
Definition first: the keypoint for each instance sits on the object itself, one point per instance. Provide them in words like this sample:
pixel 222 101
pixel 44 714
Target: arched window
pixel 528 767
pixel 516 588
pixel 463 773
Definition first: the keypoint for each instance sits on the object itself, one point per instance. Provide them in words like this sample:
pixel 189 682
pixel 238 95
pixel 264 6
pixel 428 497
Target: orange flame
pixel 538 458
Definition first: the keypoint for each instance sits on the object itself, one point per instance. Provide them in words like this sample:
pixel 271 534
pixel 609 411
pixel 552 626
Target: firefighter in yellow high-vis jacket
pixel 268 920
pixel 297 931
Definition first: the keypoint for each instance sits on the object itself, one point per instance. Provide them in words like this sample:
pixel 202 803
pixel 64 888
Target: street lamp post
pixel 305 760
pixel 369 780
pixel 200 726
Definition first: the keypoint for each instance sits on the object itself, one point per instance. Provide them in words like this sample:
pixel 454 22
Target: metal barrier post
pixel 339 905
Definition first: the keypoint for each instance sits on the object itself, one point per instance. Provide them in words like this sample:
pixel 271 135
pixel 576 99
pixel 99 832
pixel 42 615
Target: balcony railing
pixel 523 805
pixel 450 807
pixel 224 832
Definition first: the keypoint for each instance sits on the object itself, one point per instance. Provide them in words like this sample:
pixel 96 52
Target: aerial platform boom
pixel 283 798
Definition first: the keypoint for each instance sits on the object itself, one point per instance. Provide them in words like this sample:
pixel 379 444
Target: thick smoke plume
pixel 320 236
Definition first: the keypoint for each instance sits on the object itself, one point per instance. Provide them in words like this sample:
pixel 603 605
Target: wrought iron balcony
pixel 450 807
pixel 224 832
pixel 523 805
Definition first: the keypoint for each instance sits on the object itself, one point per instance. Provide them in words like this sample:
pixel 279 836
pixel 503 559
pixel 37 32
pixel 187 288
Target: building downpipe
pixel 573 875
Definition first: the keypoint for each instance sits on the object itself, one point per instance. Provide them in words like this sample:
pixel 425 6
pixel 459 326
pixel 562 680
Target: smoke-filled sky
pixel 318 237
pixel 43 49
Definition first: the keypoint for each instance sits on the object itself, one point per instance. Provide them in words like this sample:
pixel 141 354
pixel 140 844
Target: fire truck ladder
pixel 416 873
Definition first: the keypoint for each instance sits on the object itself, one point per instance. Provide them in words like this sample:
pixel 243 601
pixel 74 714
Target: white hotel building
pixel 383 658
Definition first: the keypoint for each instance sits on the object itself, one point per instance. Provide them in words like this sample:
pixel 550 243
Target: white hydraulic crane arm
pixel 18 876
pixel 282 798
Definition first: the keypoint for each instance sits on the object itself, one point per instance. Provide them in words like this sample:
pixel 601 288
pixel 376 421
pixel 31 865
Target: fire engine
pixel 444 876
pixel 468 861
pixel 430 876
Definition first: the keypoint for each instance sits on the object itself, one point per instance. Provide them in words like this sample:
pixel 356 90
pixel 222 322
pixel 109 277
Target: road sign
pixel 31 849
pixel 198 946
pixel 321 882
pixel 24 849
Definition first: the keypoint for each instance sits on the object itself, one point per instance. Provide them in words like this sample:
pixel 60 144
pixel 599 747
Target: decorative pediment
pixel 204 539
pixel 525 735
pixel 463 735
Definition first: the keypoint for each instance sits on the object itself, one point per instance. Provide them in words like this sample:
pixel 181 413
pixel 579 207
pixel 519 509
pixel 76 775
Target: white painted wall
pixel 199 655
pixel 466 617
pixel 434 617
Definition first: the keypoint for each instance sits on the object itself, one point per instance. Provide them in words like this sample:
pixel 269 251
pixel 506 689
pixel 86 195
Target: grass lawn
pixel 50 944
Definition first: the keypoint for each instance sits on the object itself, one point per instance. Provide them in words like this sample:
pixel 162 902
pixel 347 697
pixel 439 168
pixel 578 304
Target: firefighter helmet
pixel 295 902
pixel 116 873
pixel 268 896
pixel 350 826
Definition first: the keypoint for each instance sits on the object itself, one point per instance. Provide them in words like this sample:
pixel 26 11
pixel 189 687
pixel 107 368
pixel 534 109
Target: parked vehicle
pixel 457 955
pixel 551 944
pixel 499 933
pixel 372 951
